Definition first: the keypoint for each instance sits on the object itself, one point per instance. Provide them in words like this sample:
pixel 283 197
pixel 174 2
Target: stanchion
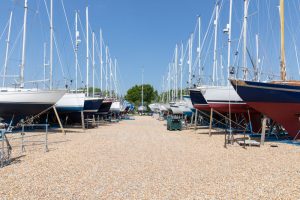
pixel 210 120
pixel 58 119
pixel 82 120
pixel 2 151
pixel 46 136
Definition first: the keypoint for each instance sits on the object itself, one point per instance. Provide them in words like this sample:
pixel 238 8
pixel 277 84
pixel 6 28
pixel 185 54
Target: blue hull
pixel 92 105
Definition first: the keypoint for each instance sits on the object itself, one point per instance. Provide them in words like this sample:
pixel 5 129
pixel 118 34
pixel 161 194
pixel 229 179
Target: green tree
pixel 134 94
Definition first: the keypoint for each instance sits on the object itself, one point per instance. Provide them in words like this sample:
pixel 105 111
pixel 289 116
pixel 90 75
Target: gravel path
pixel 140 159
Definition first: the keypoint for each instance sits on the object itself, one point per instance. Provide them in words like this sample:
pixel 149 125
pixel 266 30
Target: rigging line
pixel 294 42
pixel 208 28
pixel 271 25
pixel 2 34
pixel 84 36
pixel 68 25
pixel 55 43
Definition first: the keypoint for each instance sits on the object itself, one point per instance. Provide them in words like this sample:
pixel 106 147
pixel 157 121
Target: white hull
pixel 220 94
pixel 31 96
pixel 21 103
pixel 71 102
pixel 115 106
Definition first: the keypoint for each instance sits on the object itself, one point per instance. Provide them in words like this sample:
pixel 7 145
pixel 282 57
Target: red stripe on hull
pixel 202 107
pixel 235 108
pixel 286 114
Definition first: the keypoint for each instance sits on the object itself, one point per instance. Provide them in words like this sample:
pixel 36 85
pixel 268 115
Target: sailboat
pixel 225 99
pixel 20 102
pixel 198 100
pixel 91 104
pixel 279 100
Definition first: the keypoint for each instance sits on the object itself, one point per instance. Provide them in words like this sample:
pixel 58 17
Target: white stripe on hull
pixel 31 97
pixel 71 100
pixel 219 94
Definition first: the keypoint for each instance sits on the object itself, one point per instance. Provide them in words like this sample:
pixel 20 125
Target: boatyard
pixel 155 100
pixel 140 159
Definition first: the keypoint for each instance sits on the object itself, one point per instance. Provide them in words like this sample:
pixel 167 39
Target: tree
pixel 134 94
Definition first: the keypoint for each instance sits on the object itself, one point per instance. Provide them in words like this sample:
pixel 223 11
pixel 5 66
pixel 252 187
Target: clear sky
pixel 143 34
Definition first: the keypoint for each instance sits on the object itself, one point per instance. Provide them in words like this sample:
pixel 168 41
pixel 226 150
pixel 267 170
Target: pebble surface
pixel 140 159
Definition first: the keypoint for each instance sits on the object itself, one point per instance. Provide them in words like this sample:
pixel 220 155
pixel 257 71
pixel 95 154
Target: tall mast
pixel 169 83
pixel 142 90
pixel 7 48
pixel 257 59
pixel 77 41
pixel 229 40
pixel 93 63
pixel 176 71
pixel 110 74
pixel 87 51
pixel 45 64
pixel 51 45
pixel 199 47
pixel 106 70
pixel 23 45
pixel 115 78
pixel 101 61
pixel 190 59
pixel 245 70
pixel 282 62
pixel 181 67
pixel 215 43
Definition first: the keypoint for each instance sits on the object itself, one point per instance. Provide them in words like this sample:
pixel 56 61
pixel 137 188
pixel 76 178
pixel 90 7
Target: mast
pixel 190 59
pixel 115 78
pixel 110 74
pixel 181 68
pixel 245 70
pixel 176 71
pixel 215 43
pixel 87 51
pixel 142 91
pixel 93 63
pixel 23 45
pixel 51 45
pixel 282 62
pixel 199 47
pixel 45 64
pixel 257 59
pixel 7 48
pixel 169 83
pixel 106 70
pixel 77 41
pixel 101 61
pixel 229 40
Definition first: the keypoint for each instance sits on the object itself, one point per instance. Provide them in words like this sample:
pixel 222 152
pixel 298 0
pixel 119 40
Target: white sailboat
pixel 20 102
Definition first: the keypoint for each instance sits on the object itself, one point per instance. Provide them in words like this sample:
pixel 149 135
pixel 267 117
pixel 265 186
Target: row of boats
pixel 18 103
pixel 21 103
pixel 250 99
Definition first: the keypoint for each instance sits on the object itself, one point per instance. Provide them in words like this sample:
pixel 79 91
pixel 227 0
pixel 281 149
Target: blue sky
pixel 143 34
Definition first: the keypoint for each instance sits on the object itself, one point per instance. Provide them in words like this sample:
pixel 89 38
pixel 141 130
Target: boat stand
pixel 5 149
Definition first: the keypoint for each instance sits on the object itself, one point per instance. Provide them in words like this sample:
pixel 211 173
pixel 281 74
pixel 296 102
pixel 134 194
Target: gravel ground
pixel 140 159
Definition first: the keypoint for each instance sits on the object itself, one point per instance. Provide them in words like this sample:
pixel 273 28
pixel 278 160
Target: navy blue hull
pixel 105 107
pixel 21 110
pixel 197 97
pixel 251 91
pixel 92 105
pixel 277 101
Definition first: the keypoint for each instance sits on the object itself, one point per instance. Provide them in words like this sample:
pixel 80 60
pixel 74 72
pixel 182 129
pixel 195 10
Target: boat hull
pixel 20 104
pixel 104 108
pixel 279 102
pixel 92 105
pixel 198 100
pixel 70 103
pixel 224 99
